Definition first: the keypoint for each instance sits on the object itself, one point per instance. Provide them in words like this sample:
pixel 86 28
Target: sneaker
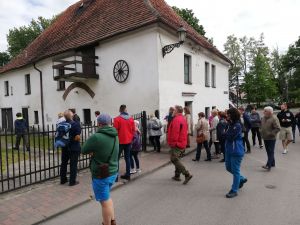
pixel 231 194
pixel 196 160
pixel 285 151
pixel 261 146
pixel 187 179
pixel 242 182
pixel 176 178
pixel 207 160
pixel 73 184
pixel 138 170
pixel 132 171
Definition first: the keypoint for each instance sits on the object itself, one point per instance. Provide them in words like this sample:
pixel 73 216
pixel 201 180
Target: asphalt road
pixel 269 198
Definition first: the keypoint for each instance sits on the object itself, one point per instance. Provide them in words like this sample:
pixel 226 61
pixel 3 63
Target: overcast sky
pixel 277 19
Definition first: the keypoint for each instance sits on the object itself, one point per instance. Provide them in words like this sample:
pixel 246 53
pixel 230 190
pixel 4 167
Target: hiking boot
pixel 187 178
pixel 242 182
pixel 231 194
pixel 125 177
pixel 176 178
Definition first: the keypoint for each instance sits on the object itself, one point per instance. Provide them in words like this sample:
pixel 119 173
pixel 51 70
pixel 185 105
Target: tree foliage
pixel 189 16
pixel 19 38
pixel 4 58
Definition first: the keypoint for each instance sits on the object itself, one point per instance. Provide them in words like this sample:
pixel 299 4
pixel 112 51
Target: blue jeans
pixel 233 166
pixel 126 149
pixel 270 146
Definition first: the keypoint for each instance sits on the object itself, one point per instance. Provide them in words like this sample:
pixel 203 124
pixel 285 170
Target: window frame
pixel 207 74
pixel 6 88
pixel 59 87
pixel 189 77
pixel 213 76
pixel 27 84
pixel 36 117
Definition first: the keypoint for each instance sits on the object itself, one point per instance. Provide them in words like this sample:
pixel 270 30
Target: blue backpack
pixel 62 136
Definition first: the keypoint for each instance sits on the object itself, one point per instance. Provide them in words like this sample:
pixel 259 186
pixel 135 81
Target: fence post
pixel 144 126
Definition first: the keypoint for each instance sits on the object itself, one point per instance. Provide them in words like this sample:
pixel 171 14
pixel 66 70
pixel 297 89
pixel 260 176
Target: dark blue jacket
pixel 234 140
pixel 221 130
pixel 74 131
pixel 247 121
pixel 20 126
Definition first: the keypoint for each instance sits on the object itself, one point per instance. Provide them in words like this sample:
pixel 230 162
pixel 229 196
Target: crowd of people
pixel 226 131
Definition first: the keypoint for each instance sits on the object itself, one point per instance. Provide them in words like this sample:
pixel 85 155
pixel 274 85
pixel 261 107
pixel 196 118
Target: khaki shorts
pixel 286 133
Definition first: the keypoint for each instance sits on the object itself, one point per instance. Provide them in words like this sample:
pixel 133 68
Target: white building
pixel 73 64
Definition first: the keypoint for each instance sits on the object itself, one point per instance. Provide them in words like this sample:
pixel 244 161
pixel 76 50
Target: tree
pixel 259 84
pixel 19 38
pixel 291 71
pixel 233 52
pixel 191 19
pixel 4 58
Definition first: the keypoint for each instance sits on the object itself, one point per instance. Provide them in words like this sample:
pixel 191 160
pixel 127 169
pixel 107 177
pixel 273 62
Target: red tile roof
pixel 98 20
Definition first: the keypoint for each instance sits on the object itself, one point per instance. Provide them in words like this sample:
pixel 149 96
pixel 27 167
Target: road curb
pixel 114 188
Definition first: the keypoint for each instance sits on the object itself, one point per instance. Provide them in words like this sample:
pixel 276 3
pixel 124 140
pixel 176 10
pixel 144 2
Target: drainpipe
pixel 42 95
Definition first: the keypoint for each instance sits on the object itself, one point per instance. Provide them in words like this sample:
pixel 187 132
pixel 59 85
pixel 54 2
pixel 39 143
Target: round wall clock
pixel 121 71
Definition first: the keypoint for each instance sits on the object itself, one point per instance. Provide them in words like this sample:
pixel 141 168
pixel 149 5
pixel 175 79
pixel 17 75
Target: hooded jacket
pixel 101 145
pixel 20 126
pixel 125 128
pixel 177 132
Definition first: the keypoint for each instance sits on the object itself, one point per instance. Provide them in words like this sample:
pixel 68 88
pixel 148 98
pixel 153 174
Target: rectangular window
pixel 207 80
pixel 36 117
pixel 27 84
pixel 6 88
pixel 213 76
pixel 87 116
pixel 187 69
pixel 61 85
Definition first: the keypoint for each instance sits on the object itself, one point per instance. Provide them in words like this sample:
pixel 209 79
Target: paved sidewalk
pixel 42 201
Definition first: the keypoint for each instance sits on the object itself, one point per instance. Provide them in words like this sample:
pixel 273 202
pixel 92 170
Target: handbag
pixel 200 138
pixel 103 168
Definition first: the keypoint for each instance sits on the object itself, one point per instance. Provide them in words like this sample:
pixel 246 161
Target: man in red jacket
pixel 126 128
pixel 177 140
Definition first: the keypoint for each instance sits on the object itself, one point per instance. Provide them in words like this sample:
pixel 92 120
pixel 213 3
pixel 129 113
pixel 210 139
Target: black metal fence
pixel 21 168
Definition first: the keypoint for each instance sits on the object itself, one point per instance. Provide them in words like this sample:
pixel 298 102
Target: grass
pixel 11 156
pixel 34 141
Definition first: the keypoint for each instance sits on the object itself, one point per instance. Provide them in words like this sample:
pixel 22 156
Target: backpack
pixel 62 136
pixel 136 142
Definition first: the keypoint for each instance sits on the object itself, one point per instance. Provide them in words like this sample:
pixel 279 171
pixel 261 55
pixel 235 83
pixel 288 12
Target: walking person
pixel 297 119
pixel 136 147
pixel 269 129
pixel 213 130
pixel 286 119
pixel 154 129
pixel 246 126
pixel 203 135
pixel 21 132
pixel 126 129
pixel 177 140
pixel 255 127
pixel 103 146
pixel 71 151
pixel 221 133
pixel 235 151
pixel 188 117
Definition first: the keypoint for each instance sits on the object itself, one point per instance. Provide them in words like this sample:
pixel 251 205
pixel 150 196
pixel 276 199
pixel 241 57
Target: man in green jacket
pixel 103 146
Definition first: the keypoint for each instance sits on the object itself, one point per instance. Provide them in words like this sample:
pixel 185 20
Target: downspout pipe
pixel 42 94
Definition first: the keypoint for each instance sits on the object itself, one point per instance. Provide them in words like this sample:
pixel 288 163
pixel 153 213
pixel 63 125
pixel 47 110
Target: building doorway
pixel 87 119
pixel 189 105
pixel 7 119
